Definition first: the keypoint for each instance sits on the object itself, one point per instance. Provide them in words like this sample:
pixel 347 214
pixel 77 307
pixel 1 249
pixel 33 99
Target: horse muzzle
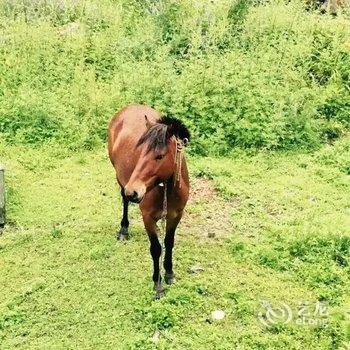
pixel 135 198
pixel 135 195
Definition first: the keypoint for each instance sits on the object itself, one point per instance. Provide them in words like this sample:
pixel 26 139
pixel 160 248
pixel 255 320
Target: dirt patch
pixel 207 214
pixel 201 189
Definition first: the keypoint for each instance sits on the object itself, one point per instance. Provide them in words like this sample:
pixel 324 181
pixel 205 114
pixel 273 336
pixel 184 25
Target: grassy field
pixel 281 226
pixel 264 84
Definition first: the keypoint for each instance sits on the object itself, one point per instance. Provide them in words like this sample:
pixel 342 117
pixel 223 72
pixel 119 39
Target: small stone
pixel 155 337
pixel 195 269
pixel 218 315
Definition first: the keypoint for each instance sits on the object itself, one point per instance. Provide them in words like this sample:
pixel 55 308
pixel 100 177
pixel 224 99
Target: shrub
pixel 250 75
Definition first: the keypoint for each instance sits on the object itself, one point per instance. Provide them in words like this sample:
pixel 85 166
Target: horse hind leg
pixel 123 233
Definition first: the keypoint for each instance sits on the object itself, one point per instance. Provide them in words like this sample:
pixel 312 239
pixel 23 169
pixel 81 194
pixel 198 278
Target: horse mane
pixel 158 134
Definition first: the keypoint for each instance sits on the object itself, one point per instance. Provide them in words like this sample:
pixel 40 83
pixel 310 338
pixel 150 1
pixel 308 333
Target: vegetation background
pixel 248 74
pixel 264 85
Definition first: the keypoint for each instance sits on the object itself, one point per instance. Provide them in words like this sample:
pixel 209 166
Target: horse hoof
pixel 123 234
pixel 122 237
pixel 169 278
pixel 160 291
pixel 160 294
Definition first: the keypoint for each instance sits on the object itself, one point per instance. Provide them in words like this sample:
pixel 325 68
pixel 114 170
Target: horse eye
pixel 159 156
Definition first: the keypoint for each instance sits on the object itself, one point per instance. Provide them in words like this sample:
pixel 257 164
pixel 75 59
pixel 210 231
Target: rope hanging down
pixel 177 180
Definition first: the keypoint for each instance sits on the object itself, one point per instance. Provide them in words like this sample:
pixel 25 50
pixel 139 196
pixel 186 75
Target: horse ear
pixel 148 123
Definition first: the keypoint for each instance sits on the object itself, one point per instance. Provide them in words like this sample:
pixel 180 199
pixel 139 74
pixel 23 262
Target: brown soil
pixel 206 214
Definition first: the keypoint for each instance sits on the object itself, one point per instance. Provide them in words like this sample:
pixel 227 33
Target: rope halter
pixel 180 146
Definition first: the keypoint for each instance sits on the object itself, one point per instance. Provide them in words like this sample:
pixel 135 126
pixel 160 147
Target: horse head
pixel 157 163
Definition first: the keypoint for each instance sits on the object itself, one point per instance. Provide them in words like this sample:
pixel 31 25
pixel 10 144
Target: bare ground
pixel 207 214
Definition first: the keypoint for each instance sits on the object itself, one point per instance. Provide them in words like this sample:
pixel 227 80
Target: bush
pixel 252 75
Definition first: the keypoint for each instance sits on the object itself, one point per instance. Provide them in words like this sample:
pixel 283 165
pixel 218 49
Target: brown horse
pixel 145 149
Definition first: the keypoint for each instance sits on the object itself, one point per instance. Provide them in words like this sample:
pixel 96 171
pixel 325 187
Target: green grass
pixel 244 76
pixel 282 234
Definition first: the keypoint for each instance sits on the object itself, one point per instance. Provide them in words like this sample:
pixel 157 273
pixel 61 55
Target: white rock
pixel 218 315
pixel 195 269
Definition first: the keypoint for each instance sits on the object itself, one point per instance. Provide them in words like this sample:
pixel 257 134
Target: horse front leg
pixel 123 233
pixel 171 226
pixel 156 251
